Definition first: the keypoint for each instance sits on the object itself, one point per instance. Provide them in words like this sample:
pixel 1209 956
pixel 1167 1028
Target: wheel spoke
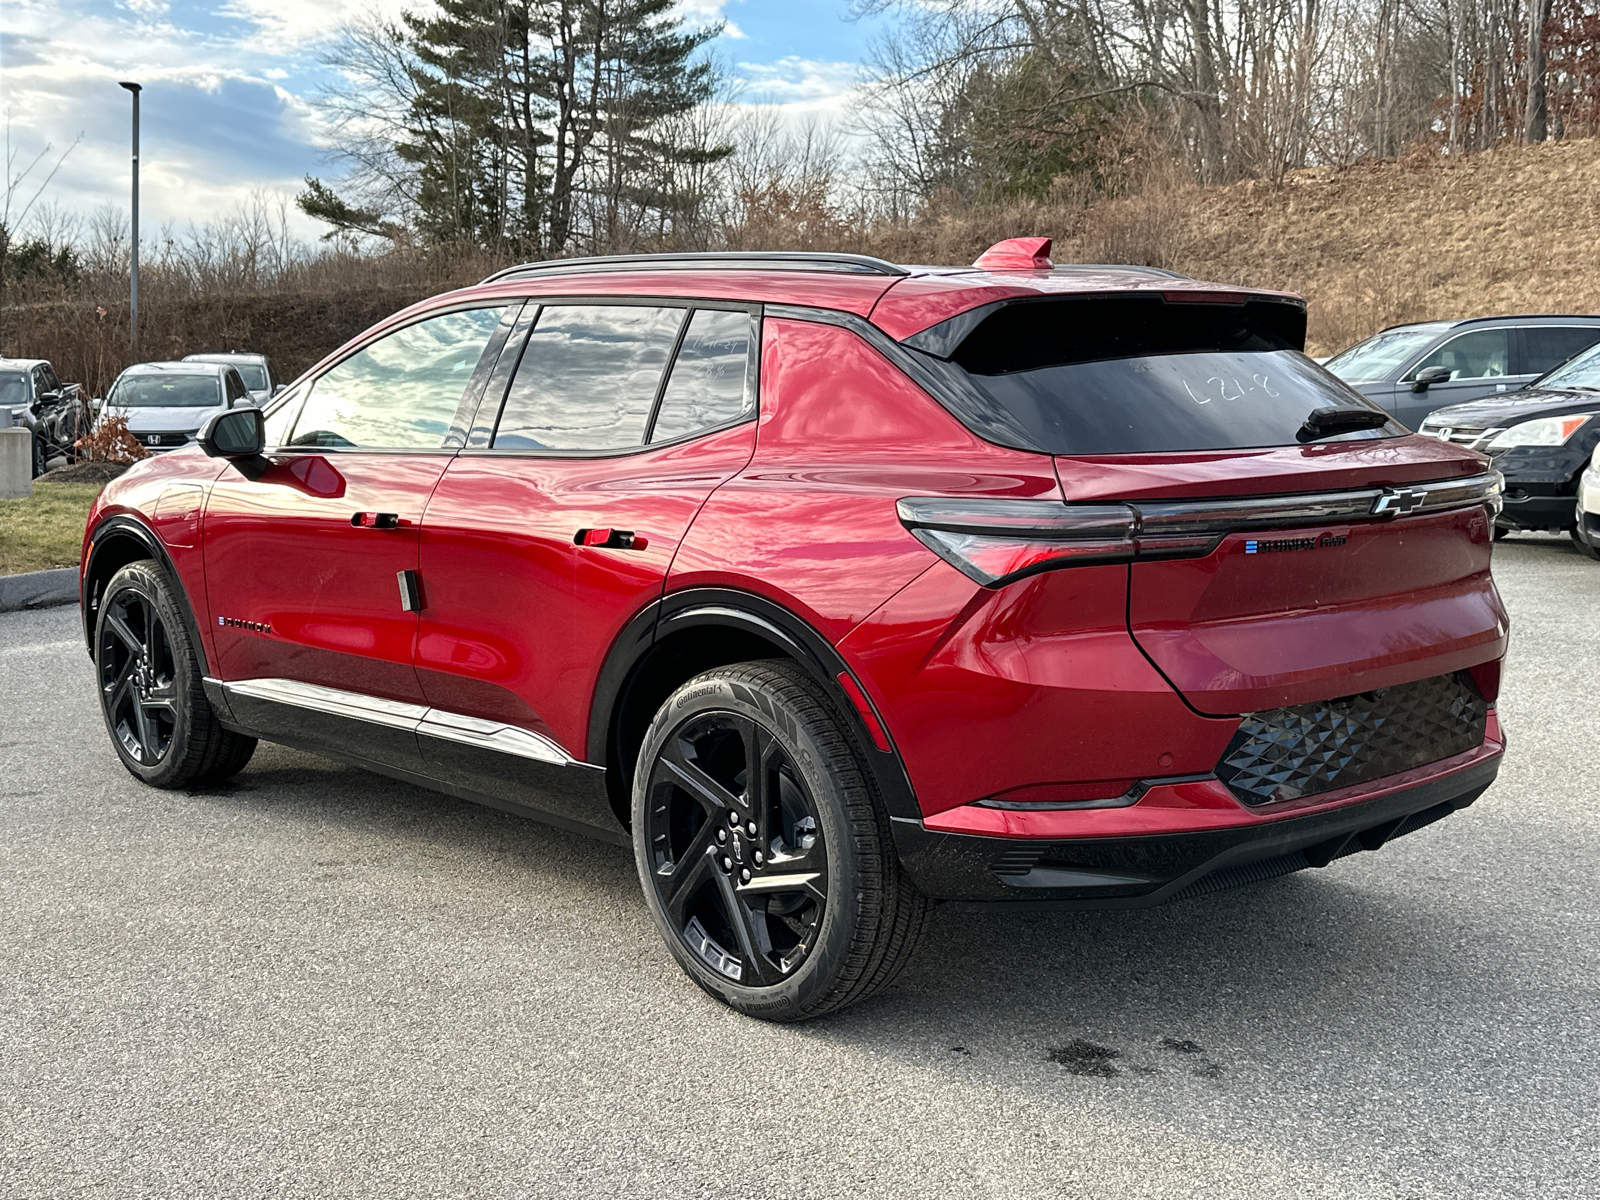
pixel 115 690
pixel 125 635
pixel 164 697
pixel 677 886
pixel 750 930
pixel 145 731
pixel 712 796
pixel 149 628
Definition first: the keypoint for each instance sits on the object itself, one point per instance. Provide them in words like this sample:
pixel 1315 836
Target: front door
pixel 544 541
pixel 1479 363
pixel 311 555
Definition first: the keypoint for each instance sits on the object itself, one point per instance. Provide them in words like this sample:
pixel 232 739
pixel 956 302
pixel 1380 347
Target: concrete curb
pixel 38 589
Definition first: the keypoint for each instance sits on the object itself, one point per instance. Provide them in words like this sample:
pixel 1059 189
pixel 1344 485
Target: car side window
pixel 401 391
pixel 235 387
pixel 1546 347
pixel 47 376
pixel 588 377
pixel 1481 354
pixel 712 378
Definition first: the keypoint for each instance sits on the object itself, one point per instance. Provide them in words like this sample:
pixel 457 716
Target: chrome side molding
pixel 397 714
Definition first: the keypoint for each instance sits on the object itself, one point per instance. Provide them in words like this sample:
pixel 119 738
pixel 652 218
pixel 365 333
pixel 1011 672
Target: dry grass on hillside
pixel 1514 230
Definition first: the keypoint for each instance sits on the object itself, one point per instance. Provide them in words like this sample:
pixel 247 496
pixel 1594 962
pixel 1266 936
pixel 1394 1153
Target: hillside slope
pixel 1514 230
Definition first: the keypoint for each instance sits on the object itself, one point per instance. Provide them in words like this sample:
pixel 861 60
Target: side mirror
pixel 279 389
pixel 237 433
pixel 1431 376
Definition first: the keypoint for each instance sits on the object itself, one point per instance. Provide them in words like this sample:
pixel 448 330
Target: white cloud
pixel 801 85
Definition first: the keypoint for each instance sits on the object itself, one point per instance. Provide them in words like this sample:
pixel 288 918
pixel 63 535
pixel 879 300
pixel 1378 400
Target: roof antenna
pixel 1017 254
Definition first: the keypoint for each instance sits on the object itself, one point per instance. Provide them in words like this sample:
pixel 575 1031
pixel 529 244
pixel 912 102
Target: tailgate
pixel 1310 598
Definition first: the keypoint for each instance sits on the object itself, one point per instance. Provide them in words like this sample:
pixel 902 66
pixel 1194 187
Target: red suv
pixel 833 587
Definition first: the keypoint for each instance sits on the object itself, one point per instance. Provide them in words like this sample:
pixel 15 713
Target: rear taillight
pixel 998 541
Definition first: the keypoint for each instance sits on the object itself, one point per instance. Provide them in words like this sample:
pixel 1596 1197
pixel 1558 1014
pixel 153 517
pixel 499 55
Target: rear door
pixel 1546 347
pixel 557 524
pixel 307 556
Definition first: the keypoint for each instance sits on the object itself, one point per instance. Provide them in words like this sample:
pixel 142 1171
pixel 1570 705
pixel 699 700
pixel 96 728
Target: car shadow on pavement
pixel 1176 988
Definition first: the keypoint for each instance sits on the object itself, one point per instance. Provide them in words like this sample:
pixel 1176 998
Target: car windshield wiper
pixel 1325 422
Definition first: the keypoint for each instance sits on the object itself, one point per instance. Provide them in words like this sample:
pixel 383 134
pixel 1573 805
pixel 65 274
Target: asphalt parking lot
pixel 318 982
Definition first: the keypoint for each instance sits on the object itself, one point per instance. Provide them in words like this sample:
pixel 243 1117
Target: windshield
pixel 14 388
pixel 166 391
pixel 1381 356
pixel 1582 372
pixel 1140 376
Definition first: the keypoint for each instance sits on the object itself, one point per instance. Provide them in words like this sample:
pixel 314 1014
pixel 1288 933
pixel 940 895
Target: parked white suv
pixel 1586 533
pixel 167 402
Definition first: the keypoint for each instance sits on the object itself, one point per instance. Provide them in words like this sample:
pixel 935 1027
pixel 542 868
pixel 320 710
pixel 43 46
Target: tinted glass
pixel 709 383
pixel 255 378
pixel 166 391
pixel 1583 372
pixel 401 391
pixel 51 382
pixel 1381 356
pixel 1113 376
pixel 1481 354
pixel 1546 349
pixel 588 378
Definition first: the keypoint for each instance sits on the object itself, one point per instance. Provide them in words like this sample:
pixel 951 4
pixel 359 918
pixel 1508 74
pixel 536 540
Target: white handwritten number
pixel 1192 396
pixel 1265 387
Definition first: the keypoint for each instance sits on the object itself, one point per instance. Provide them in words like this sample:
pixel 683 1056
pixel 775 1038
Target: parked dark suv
pixel 1540 439
pixel 832 587
pixel 1413 370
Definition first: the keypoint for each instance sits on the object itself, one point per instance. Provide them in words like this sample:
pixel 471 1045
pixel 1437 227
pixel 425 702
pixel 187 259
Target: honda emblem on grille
pixel 1393 502
pixel 154 439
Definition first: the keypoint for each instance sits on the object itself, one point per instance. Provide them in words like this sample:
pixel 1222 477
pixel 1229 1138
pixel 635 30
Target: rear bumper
pixel 1143 871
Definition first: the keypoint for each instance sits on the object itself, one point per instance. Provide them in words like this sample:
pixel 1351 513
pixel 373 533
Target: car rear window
pixel 1123 375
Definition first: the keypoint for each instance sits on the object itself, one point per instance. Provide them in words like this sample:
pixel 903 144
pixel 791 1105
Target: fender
pixel 127 525
pixel 762 619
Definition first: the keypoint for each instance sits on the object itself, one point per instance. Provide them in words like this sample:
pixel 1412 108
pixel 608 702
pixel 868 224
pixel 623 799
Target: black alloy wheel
pixel 161 724
pixel 736 849
pixel 138 678
pixel 765 856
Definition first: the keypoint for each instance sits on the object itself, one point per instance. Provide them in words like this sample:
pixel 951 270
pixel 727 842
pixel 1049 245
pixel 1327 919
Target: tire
pixel 148 675
pixel 712 857
pixel 38 456
pixel 1583 547
pixel 1500 532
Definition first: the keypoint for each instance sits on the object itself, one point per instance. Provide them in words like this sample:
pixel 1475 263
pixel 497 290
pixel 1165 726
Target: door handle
pixel 611 539
pixel 375 520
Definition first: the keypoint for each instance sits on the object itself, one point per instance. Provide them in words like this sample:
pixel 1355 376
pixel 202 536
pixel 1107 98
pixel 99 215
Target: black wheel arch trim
pixel 764 619
pixel 124 525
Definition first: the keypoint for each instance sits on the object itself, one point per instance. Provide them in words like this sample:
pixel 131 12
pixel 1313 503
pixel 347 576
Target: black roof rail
pixel 843 264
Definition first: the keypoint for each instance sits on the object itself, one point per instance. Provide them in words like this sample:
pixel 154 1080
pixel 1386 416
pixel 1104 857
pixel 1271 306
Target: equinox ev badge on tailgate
pixel 1276 545
pixel 1392 502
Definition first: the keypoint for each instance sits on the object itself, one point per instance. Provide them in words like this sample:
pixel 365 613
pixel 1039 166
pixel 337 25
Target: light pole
pixel 133 246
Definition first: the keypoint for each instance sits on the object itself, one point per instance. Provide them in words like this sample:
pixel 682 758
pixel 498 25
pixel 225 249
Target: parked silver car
pixel 1412 370
pixel 254 369
pixel 167 402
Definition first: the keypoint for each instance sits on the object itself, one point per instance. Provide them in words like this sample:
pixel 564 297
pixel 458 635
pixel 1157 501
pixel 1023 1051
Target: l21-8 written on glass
pixel 1228 387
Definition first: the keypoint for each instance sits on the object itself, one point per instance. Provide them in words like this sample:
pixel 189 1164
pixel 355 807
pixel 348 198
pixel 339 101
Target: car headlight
pixel 1546 431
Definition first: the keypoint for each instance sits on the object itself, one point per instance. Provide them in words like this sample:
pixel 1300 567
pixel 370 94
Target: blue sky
pixel 226 84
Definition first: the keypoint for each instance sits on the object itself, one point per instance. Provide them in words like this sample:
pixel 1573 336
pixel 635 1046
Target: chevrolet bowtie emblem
pixel 1393 502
